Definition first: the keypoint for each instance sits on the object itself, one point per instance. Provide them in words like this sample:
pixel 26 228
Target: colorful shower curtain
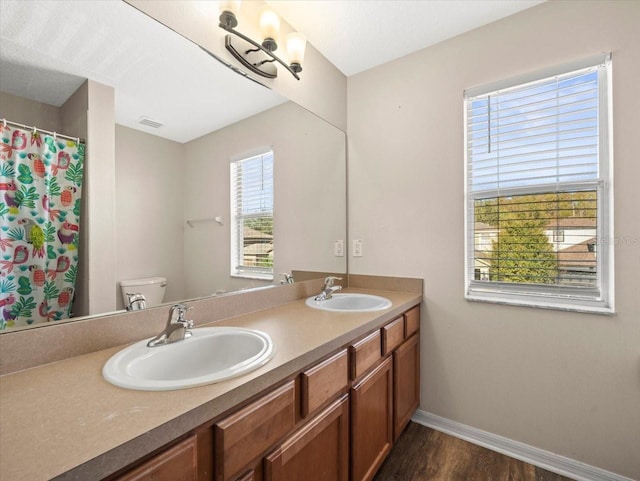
pixel 40 188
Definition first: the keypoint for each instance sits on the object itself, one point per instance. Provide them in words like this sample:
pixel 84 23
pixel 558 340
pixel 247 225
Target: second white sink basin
pixel 350 302
pixel 211 354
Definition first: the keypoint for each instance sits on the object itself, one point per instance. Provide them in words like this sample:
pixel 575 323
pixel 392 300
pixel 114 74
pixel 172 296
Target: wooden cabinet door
pixel 371 421
pixel 319 451
pixel 244 436
pixel 177 463
pixel 406 383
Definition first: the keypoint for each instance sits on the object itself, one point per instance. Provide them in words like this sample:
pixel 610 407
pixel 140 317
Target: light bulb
pixel 269 25
pixel 296 45
pixel 231 6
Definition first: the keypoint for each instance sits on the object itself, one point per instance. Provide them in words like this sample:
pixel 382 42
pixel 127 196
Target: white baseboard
pixel 538 457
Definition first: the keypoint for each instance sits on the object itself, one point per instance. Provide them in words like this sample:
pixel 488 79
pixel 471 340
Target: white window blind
pixel 537 190
pixel 543 133
pixel 252 240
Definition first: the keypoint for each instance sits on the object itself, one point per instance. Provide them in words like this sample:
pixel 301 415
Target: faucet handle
pixel 328 281
pixel 182 310
pixel 288 278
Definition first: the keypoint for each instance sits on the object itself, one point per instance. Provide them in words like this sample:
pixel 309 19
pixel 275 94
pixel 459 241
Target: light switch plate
pixel 338 248
pixel 357 248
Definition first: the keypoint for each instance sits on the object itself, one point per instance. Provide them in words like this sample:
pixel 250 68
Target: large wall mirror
pixel 173 187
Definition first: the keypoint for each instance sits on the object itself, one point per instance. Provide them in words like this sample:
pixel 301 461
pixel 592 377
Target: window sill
pixel 543 303
pixel 255 277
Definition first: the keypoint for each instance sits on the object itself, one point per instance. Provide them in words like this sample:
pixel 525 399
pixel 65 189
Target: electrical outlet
pixel 357 248
pixel 338 248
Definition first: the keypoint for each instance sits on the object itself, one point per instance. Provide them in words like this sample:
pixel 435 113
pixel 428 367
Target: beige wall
pixel 99 185
pixel 565 382
pixel 149 191
pixel 73 113
pixel 30 112
pixel 309 199
pixel 160 184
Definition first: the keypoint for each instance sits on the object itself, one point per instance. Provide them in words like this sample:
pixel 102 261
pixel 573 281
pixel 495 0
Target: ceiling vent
pixel 150 122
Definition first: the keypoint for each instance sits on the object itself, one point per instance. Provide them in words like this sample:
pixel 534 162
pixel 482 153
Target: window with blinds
pixel 252 216
pixel 538 190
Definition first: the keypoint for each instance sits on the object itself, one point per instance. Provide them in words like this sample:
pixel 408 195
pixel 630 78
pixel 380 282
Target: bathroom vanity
pixel 366 392
pixel 329 405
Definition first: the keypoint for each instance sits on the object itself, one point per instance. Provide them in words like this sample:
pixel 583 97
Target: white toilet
pixel 152 288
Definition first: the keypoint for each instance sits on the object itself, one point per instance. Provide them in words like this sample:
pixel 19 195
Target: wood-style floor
pixel 423 454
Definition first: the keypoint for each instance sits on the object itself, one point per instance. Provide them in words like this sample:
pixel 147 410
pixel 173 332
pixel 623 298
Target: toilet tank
pixel 152 288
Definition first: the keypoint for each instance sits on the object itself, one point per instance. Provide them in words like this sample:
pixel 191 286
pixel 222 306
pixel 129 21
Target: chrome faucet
pixel 177 329
pixel 136 301
pixel 328 288
pixel 288 278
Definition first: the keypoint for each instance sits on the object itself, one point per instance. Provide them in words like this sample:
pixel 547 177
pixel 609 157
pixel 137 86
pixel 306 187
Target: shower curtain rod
pixel 36 129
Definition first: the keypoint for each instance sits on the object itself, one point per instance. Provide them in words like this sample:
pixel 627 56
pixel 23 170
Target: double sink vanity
pixel 313 392
pixel 210 354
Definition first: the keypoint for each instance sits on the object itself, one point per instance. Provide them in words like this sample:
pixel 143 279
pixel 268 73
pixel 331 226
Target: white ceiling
pixel 356 35
pixel 48 48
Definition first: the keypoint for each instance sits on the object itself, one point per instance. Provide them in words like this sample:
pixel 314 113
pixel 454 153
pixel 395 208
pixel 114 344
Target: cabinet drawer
pixel 365 354
pixel 323 382
pixel 412 321
pixel 392 335
pixel 178 463
pixel 243 436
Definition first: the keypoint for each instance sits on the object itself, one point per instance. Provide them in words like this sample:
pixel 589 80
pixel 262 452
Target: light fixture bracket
pixel 252 58
pixel 249 57
pixel 270 44
pixel 228 19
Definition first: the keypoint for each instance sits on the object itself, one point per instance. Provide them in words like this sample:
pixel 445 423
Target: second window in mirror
pixel 252 242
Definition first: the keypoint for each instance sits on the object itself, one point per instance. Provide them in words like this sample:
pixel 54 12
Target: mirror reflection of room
pixel 148 216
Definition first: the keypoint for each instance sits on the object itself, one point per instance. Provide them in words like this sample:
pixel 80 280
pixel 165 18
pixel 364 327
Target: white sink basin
pixel 351 303
pixel 211 354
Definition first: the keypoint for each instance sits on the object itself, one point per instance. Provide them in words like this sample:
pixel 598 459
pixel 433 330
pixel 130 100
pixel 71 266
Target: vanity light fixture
pixel 254 58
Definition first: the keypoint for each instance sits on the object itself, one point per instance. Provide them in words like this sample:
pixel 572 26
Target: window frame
pixel 596 300
pixel 237 270
pixel 558 235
